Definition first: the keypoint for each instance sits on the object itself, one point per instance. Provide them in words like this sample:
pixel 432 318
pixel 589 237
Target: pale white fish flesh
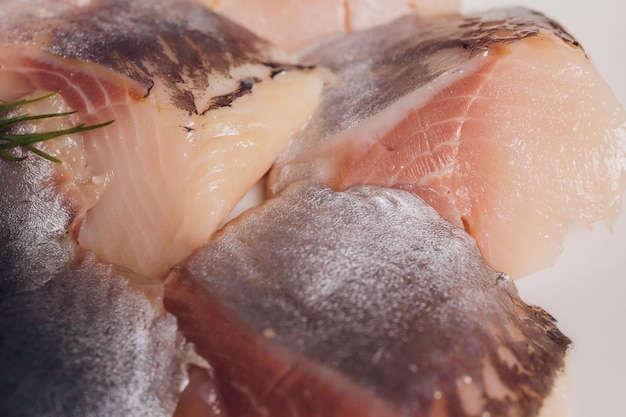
pixel 186 89
pixel 498 120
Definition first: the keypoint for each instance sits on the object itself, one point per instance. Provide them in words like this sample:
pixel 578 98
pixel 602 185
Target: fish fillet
pixel 291 24
pixel 360 303
pixel 499 121
pixel 85 244
pixel 191 134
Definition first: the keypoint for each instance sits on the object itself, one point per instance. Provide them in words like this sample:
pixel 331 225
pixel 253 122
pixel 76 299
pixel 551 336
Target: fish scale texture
pixel 374 285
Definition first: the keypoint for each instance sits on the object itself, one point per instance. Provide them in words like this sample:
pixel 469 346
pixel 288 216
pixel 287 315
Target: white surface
pixel 585 289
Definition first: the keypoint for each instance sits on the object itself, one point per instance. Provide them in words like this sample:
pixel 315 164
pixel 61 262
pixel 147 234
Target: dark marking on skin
pixel 502 278
pixel 391 61
pixel 182 44
pixel 245 88
pixel 276 72
pixel 520 23
pixel 149 88
pixel 281 68
pixel 184 100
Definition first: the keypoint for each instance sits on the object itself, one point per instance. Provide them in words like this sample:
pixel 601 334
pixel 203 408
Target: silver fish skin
pixel 75 338
pixel 382 307
pixel 34 222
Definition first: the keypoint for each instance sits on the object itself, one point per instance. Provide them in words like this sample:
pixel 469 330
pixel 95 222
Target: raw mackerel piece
pixel 360 303
pixel 498 121
pixel 187 91
pixel 84 244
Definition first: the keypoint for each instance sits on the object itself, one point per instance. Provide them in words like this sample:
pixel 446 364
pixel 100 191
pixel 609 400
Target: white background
pixel 586 288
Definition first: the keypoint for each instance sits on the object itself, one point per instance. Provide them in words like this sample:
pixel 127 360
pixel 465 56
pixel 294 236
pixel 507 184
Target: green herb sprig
pixel 10 140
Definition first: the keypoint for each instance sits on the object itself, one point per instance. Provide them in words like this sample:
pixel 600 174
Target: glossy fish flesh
pixel 85 244
pixel 360 303
pixel 499 121
pixel 186 89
